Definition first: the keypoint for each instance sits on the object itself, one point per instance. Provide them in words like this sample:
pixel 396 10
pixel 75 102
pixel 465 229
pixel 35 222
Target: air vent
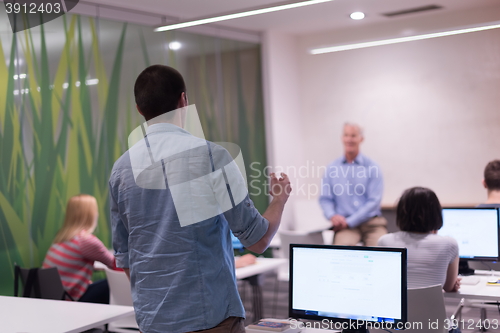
pixel 412 10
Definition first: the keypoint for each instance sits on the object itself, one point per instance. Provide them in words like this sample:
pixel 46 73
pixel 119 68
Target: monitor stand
pixel 463 268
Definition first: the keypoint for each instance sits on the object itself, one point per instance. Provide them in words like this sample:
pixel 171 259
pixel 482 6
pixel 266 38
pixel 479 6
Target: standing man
pixel 491 183
pixel 351 191
pixel 172 213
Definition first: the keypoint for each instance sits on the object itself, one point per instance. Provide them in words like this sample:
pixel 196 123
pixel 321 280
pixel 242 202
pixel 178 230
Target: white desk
pixel 480 291
pixel 33 315
pixel 262 265
pixel 249 273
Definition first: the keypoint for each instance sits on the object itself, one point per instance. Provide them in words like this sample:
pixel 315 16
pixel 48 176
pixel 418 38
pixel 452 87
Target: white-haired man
pixel 351 192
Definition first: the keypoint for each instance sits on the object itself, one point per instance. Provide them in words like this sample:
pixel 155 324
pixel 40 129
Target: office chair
pixel 120 294
pixel 426 305
pixel 40 283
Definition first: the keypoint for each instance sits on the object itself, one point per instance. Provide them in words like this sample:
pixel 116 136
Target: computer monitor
pixel 477 232
pixel 348 287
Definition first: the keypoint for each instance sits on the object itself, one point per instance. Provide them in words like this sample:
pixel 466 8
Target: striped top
pixel 74 260
pixel 429 256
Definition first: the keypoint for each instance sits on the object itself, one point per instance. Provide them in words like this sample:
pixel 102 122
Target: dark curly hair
pixel 419 210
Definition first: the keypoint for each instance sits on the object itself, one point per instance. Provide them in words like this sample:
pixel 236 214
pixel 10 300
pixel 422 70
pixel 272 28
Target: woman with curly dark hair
pixel 432 259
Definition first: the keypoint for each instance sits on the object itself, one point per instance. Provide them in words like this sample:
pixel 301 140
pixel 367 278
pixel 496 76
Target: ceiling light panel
pixel 243 13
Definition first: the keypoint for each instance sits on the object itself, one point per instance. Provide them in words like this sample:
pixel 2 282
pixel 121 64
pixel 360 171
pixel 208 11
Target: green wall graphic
pixel 67 107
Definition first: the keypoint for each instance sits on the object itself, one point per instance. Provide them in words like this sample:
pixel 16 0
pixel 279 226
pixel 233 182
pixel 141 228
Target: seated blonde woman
pixel 432 259
pixel 75 249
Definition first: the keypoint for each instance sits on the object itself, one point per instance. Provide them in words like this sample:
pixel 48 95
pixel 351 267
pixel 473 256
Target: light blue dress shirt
pixel 353 190
pixel 182 278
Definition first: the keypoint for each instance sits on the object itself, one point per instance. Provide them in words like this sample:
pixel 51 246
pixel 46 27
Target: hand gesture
pixel 280 187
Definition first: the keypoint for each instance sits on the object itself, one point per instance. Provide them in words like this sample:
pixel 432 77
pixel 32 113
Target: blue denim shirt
pixel 182 278
pixel 353 190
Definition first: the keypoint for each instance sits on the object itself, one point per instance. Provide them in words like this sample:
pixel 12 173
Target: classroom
pixel 229 166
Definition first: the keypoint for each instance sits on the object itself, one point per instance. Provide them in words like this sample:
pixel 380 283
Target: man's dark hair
pixel 492 175
pixel 419 210
pixel 157 90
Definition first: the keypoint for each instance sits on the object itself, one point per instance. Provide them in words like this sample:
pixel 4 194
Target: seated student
pixel 75 249
pixel 492 183
pixel 432 259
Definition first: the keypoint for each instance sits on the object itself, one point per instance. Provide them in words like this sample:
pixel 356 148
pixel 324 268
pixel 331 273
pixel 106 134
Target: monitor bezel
pixel 404 290
pixel 498 232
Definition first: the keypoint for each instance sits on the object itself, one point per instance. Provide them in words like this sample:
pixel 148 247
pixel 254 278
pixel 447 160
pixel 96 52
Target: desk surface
pixel 481 290
pixel 305 329
pixel 261 266
pixel 33 315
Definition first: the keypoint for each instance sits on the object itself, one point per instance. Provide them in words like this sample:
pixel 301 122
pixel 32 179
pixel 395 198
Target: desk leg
pixel 256 283
pixel 483 320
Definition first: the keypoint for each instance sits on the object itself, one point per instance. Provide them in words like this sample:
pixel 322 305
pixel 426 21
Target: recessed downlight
pixel 174 45
pixel 358 15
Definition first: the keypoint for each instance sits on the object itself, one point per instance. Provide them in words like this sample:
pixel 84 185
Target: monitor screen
pixel 475 230
pixel 236 242
pixel 347 283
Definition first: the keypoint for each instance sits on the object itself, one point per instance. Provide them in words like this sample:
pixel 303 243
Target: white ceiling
pixel 324 16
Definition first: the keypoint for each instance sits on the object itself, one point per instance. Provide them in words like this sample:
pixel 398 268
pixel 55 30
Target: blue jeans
pixel 97 292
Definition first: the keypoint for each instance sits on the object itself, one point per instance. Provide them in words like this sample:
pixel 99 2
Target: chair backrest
pixel 295 237
pixel 41 283
pixel 426 305
pixel 119 287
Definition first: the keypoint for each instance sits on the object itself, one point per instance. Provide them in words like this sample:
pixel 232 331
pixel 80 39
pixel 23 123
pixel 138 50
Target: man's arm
pixel 327 197
pixel 255 231
pixel 280 190
pixel 452 282
pixel 327 201
pixel 119 232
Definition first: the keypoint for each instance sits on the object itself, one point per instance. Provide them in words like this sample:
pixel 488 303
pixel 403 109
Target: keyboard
pixel 470 280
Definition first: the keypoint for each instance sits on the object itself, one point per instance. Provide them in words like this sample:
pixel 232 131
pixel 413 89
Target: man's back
pixel 182 277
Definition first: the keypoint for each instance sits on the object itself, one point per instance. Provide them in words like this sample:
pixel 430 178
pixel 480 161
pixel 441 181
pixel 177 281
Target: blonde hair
pixel 81 214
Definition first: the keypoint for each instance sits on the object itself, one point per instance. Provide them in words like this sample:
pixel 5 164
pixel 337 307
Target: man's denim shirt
pixel 182 277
